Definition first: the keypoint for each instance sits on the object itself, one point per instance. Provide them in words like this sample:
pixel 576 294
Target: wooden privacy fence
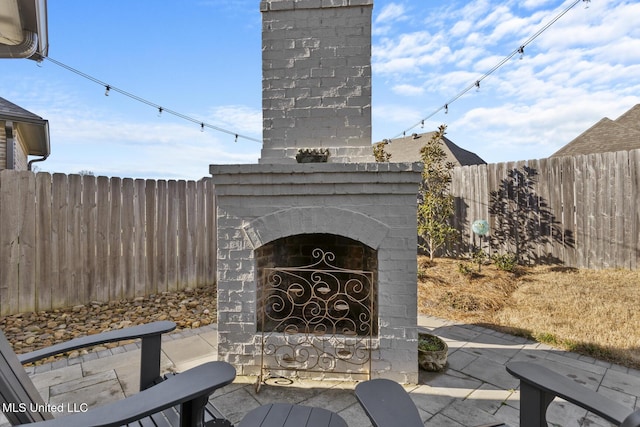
pixel 69 240
pixel 580 211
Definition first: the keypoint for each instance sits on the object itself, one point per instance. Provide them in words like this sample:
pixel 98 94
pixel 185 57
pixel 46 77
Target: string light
pixel 109 89
pixel 476 84
pixel 477 88
pixel 521 52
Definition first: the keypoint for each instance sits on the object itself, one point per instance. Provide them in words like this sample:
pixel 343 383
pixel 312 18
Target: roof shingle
pixel 607 135
pixel 407 149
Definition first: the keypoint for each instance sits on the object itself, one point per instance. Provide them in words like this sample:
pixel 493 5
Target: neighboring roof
pixel 407 149
pixel 607 135
pixel 34 129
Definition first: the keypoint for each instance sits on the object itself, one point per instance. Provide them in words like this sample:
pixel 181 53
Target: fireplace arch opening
pixel 317 284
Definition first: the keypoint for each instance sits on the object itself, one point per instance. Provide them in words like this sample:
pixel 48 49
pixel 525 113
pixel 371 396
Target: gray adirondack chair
pixel 180 400
pixel 540 385
pixel 387 404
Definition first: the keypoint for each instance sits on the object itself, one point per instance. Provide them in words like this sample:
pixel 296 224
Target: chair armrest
pixel 549 384
pixel 150 333
pixel 194 385
pixel 134 332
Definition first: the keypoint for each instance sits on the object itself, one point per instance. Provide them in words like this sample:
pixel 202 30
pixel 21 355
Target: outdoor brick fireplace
pixel 342 231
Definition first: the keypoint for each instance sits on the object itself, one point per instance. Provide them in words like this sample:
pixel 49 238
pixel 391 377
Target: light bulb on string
pixel 477 85
pixel 521 51
pixel 586 3
pixel 107 88
pixel 160 109
pixel 236 140
pixel 422 124
pixel 446 108
pixel 201 127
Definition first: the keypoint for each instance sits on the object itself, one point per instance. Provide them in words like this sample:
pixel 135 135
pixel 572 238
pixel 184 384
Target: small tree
pixel 435 203
pixel 379 152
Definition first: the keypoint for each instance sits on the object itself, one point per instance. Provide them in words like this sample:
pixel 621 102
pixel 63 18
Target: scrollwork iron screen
pixel 317 318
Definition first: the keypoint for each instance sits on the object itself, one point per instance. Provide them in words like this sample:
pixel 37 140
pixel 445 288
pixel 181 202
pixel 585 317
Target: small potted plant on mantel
pixel 432 352
pixel 312 155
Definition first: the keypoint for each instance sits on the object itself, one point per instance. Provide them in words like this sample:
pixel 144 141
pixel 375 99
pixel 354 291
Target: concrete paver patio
pixel 474 389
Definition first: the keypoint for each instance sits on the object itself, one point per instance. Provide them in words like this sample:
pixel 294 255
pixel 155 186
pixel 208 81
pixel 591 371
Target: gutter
pixel 42 159
pixel 27 49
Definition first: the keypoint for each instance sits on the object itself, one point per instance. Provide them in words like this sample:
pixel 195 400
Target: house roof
pixel 407 149
pixel 607 135
pixel 33 128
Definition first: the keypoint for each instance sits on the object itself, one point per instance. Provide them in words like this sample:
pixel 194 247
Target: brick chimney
pixel 316 79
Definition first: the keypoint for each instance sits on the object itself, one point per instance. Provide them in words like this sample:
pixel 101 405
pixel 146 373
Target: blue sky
pixel 203 59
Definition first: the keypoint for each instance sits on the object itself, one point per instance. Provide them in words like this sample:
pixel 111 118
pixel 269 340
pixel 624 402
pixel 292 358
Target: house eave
pixel 34 134
pixel 29 19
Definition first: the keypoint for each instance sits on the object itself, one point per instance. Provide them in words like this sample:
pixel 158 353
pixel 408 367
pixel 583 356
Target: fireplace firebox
pixel 317 284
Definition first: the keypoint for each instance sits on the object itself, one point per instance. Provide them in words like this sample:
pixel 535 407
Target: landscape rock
pixel 190 308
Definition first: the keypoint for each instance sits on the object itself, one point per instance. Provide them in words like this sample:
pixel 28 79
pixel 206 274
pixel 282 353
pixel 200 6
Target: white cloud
pixel 399 114
pixel 390 12
pixel 239 118
pixel 408 90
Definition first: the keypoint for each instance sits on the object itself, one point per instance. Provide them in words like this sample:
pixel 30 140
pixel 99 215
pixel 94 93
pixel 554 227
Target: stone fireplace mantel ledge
pixel 309 168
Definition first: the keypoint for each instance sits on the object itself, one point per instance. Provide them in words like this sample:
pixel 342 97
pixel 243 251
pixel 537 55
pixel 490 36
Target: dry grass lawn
pixel 592 312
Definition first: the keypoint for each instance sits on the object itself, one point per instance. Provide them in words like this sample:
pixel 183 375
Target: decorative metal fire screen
pixel 317 317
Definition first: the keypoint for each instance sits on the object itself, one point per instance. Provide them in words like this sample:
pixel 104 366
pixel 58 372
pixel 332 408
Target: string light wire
pixel 109 88
pixel 476 83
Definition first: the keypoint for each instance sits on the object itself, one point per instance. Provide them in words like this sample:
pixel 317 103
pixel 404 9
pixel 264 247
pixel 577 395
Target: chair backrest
pixel 19 399
pixel 387 404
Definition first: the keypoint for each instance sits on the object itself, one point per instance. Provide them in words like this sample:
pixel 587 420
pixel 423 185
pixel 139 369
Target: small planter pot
pixel 313 155
pixel 432 353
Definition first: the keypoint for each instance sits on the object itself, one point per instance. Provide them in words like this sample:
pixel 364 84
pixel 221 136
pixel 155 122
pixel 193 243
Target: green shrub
pixel 505 262
pixel 465 269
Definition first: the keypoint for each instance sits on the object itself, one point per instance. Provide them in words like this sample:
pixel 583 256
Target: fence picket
pixel 44 244
pixel 128 238
pixel 191 234
pixel 10 225
pixel 116 267
pixel 172 235
pixel 150 224
pixel 161 236
pixel 201 234
pixel 103 227
pixel 212 233
pixel 89 220
pixel 568 220
pixel 139 241
pixel 634 211
pixel 76 241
